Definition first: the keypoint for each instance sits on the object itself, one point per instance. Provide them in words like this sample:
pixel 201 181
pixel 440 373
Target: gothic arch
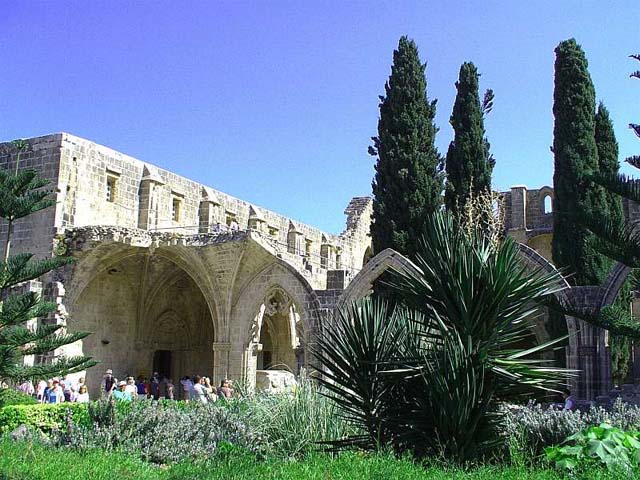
pixel 613 283
pixel 93 263
pixel 276 276
pixel 362 283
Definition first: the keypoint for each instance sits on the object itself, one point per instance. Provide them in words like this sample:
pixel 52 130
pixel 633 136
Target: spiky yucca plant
pixel 427 377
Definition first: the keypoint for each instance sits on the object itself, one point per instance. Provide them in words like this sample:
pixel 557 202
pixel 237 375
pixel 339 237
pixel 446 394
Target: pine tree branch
pixel 623 185
pixel 23 266
pixel 17 308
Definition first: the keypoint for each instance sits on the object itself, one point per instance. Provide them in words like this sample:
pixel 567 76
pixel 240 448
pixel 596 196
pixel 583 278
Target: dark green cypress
pixel 469 164
pixel 408 183
pixel 575 159
pixel 608 162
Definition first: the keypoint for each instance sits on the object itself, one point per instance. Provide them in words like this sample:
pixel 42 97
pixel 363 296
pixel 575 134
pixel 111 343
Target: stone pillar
pixel 207 216
pixel 519 207
pixel 221 360
pixel 295 240
pixel 148 207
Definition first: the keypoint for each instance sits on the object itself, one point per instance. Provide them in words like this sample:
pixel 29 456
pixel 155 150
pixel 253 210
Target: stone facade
pixel 173 275
pixel 529 220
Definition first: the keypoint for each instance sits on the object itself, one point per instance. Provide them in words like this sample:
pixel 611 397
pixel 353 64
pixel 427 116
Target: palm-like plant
pixel 427 376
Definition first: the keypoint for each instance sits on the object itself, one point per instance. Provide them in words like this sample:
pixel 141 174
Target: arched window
pixel 547 204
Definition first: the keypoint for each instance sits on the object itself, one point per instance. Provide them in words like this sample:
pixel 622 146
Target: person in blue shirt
pixel 121 394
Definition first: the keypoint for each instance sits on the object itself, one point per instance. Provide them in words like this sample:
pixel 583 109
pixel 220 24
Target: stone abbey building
pixel 174 276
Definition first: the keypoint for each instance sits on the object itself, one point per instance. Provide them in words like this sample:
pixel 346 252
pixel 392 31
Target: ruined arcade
pixel 174 276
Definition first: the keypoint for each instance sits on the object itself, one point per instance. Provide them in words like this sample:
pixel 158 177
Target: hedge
pixel 44 417
pixel 9 396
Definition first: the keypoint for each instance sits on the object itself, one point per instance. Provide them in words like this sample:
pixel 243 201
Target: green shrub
pixel 608 445
pixel 426 378
pixel 534 427
pixel 43 417
pixel 161 432
pixel 9 396
pixel 295 423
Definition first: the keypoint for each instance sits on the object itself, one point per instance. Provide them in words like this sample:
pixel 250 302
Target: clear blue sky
pixel 274 102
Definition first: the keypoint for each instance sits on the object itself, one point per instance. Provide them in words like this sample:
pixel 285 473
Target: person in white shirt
pixel 42 384
pixel 198 391
pixel 131 387
pixel 83 395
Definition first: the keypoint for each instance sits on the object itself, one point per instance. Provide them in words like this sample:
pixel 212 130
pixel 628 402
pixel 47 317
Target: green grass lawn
pixel 27 461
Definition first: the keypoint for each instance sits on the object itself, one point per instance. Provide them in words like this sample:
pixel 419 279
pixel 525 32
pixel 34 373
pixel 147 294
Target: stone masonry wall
pixel 100 186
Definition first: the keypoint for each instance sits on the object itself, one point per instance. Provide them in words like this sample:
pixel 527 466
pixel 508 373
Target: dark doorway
pixel 162 363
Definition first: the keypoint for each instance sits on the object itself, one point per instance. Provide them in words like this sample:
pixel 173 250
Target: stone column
pixel 519 207
pixel 221 360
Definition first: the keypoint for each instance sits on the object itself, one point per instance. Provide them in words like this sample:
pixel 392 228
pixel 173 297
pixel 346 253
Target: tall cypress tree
pixel 468 164
pixel 408 183
pixel 575 160
pixel 608 162
pixel 620 345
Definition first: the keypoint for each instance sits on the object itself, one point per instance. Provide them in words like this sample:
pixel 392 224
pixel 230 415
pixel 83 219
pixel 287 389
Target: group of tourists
pixel 56 390
pixel 201 390
pixel 197 388
pixel 159 387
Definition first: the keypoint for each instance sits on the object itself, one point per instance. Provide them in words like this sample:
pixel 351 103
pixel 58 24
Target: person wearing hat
pixel 121 392
pixel 108 383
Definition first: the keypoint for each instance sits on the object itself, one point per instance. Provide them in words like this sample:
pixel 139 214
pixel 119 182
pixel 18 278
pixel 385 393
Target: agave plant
pixel 427 376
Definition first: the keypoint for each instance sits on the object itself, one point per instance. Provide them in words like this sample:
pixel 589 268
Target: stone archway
pixel 138 305
pixel 362 285
pixel 277 309
pixel 277 333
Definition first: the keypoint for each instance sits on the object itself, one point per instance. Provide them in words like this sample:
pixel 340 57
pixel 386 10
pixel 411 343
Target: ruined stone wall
pixel 99 186
pixel 36 232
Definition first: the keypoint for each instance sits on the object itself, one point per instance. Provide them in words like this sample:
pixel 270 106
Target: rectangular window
pixel 111 188
pixel 176 205
pixel 231 220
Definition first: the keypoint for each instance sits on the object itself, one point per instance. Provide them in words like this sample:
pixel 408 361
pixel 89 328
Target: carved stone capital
pixel 221 346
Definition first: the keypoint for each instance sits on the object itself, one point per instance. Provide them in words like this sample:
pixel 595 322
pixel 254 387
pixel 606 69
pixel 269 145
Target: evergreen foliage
pixel 408 180
pixel 575 159
pixel 607 145
pixel 608 163
pixel 21 194
pixel 469 163
pixel 427 378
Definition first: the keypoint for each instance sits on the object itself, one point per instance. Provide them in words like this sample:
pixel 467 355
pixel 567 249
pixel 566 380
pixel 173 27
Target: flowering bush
pixel 532 427
pixel 163 433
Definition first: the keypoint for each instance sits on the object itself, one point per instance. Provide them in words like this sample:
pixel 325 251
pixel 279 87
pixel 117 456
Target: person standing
pixel 83 395
pixel 121 393
pixel 170 390
pixel 569 401
pixel 225 390
pixel 155 386
pixel 187 386
pixel 42 385
pixel 108 383
pixel 199 392
pixel 56 393
pixel 141 388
